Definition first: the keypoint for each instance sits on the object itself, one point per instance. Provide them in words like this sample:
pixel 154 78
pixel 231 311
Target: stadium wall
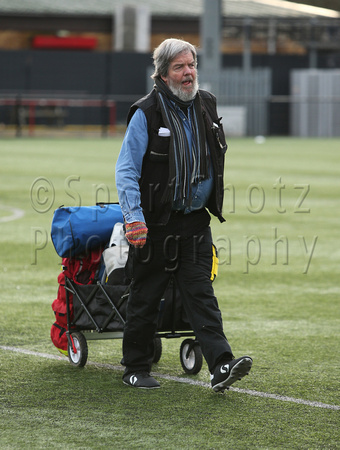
pixel 123 77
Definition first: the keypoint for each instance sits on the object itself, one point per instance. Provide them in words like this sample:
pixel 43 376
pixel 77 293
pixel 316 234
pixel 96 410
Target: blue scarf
pixel 187 166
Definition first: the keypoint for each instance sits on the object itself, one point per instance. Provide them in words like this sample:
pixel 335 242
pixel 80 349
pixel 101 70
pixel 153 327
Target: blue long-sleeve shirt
pixel 129 168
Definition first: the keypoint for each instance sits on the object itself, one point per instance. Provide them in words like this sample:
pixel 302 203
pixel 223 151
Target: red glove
pixel 136 233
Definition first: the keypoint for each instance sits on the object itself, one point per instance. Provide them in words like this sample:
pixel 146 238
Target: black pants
pixel 172 251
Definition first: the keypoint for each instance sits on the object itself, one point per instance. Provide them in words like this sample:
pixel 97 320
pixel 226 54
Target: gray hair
pixel 166 52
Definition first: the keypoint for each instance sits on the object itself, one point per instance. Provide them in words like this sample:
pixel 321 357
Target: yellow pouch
pixel 214 267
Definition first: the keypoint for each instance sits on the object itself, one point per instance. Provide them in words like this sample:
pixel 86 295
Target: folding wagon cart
pixel 93 290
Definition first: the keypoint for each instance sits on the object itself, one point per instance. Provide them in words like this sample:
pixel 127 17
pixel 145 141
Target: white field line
pixel 190 381
pixel 16 213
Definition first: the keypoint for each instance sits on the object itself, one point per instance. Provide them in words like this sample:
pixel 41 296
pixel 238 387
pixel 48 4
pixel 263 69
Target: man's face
pixel 182 76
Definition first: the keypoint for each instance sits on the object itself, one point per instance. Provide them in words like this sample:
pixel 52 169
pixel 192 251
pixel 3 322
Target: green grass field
pixel 278 289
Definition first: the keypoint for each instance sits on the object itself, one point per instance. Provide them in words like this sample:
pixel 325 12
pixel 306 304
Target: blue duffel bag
pixel 78 229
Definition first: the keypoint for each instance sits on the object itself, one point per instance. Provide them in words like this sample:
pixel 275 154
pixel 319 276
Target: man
pixel 168 173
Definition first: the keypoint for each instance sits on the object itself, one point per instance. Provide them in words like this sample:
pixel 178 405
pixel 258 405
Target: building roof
pixel 175 8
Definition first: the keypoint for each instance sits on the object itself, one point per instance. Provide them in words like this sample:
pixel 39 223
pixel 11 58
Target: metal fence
pixel 242 97
pixel 249 91
pixel 315 103
pixel 245 98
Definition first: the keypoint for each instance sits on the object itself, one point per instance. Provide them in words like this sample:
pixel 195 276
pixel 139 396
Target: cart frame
pixel 190 350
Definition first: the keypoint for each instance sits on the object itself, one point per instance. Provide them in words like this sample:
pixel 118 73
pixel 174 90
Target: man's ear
pixel 164 79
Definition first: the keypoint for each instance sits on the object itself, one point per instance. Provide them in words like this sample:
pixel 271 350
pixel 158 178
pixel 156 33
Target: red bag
pixel 59 309
pixel 83 270
pixel 80 271
pixel 59 338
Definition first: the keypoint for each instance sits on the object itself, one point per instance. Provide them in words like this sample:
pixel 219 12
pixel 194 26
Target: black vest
pixel 155 171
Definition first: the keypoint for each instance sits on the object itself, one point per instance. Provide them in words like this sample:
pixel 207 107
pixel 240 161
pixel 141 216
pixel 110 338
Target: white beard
pixel 181 93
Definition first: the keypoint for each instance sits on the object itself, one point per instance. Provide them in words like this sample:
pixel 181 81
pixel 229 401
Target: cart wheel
pixel 79 356
pixel 157 342
pixel 191 356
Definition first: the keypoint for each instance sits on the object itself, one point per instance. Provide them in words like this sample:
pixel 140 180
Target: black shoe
pixel 226 374
pixel 142 380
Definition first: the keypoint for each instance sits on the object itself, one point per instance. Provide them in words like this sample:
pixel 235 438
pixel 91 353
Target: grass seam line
pixel 183 380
